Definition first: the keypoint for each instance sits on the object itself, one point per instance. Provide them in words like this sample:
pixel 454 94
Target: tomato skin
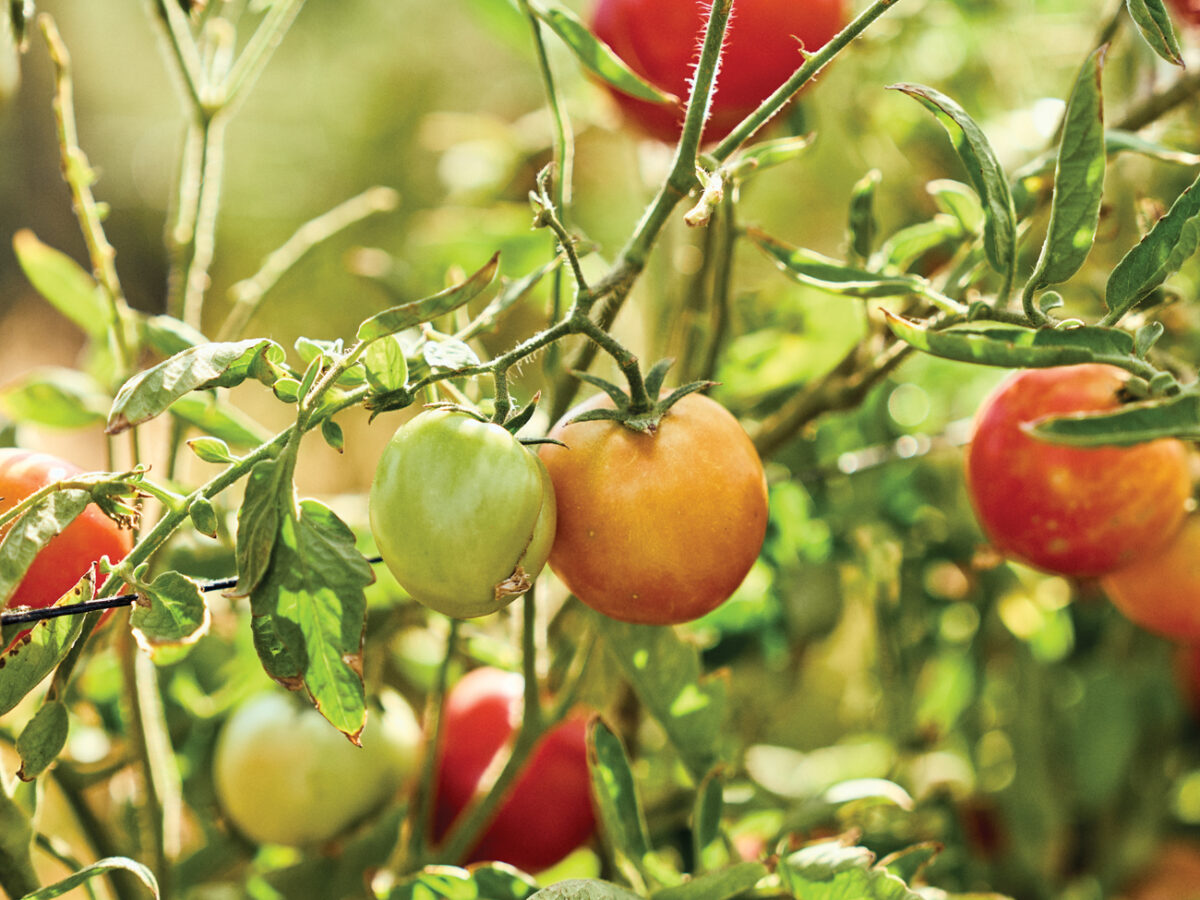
pixel 659 39
pixel 1187 10
pixel 460 511
pixel 658 528
pixel 69 555
pixel 548 811
pixel 1160 590
pixel 1071 511
pixel 284 775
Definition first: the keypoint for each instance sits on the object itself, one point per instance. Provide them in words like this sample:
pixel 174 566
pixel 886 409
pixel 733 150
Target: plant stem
pixel 199 245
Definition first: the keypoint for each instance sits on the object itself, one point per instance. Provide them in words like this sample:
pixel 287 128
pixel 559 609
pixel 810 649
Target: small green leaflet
pixel 42 739
pixel 984 171
pixel 1154 22
pixel 176 616
pixel 617 803
pixel 585 889
pixel 862 223
pixel 409 315
pixel 834 871
pixel 64 283
pixel 1078 181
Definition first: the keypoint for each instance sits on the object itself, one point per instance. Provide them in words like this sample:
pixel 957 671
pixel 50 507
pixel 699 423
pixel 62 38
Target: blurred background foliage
pixel 1017 719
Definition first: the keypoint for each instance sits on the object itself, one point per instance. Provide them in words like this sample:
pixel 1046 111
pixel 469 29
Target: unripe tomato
pixel 1070 510
pixel 1187 10
pixel 656 528
pixel 548 810
pixel 659 39
pixel 284 775
pixel 69 555
pixel 1160 590
pixel 462 513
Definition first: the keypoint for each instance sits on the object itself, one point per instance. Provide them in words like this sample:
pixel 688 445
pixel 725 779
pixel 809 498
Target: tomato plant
pixel 462 514
pixel 283 776
pixel 1160 590
pixel 547 812
pixel 763 46
pixel 68 555
pixel 1070 510
pixel 656 528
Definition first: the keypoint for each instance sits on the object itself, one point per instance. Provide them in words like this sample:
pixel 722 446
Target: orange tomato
pixel 1161 590
pixel 656 528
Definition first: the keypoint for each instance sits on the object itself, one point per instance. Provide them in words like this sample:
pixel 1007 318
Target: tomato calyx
pixel 645 416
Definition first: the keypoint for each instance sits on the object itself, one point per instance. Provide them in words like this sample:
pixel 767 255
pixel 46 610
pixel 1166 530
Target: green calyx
pixel 642 414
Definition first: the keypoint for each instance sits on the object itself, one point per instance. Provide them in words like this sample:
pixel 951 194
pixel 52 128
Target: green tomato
pixel 283 775
pixel 462 513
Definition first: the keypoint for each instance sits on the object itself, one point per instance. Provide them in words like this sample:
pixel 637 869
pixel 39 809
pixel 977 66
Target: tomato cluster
pixel 765 42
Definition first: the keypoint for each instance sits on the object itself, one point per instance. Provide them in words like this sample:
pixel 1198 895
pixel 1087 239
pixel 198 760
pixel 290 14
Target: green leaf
pixel 310 349
pixel 56 397
pixel 908 245
pixel 168 335
pixel 1078 181
pixel 1154 22
pixel 956 199
pixel 833 871
pixel 212 415
pixel 398 318
pixel 984 172
pixel 617 804
pixel 64 283
pixel 491 881
pixel 1012 346
pixel 312 596
pixel 385 364
pixel 43 521
pixel 724 884
pixel 176 616
pixel 584 889
pixel 706 812
pixel 1117 141
pixel 1157 256
pixel 17 875
pixel 268 491
pixel 331 431
pixel 863 225
pixel 449 355
pixel 87 873
pixel 152 391
pixel 42 739
pixel 666 674
pixel 598 58
pixel 1133 423
pixel 767 154
pixel 34 656
pixel 212 450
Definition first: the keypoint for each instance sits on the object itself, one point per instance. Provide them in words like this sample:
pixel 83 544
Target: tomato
pixel 284 775
pixel 1173 874
pixel 1070 510
pixel 1187 10
pixel 1160 590
pixel 462 513
pixel 68 555
pixel 548 810
pixel 658 39
pixel 656 528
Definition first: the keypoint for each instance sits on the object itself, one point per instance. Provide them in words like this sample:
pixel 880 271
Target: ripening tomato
pixel 1070 510
pixel 659 39
pixel 284 775
pixel 69 555
pixel 1173 874
pixel 1187 10
pixel 656 528
pixel 1160 590
pixel 462 513
pixel 548 810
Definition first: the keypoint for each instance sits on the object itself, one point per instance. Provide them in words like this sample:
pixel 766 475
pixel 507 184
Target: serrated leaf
pixel 983 170
pixel 598 58
pixel 34 655
pixel 834 871
pixel 617 804
pixel 1133 423
pixel 176 617
pixel 1012 346
pixel 64 283
pixel 87 873
pixel 862 223
pixel 385 365
pixel 207 366
pixel 584 889
pixel 1078 181
pixel 312 597
pixel 42 739
pixel 56 397
pixel 723 884
pixel 1154 22
pixel 666 675
pixel 44 521
pixel 399 318
pixel 1157 256
pixel 207 412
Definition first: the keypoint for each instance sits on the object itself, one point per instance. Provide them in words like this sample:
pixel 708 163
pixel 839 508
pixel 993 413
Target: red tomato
pixel 1187 10
pixel 68 556
pixel 1161 590
pixel 548 811
pixel 660 40
pixel 1070 510
pixel 656 528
